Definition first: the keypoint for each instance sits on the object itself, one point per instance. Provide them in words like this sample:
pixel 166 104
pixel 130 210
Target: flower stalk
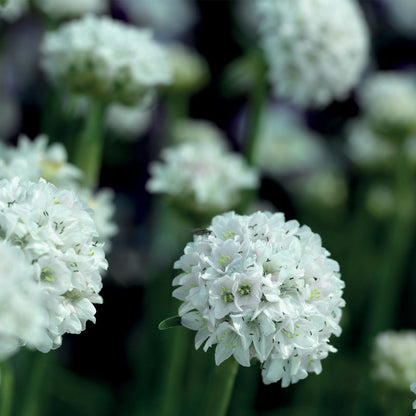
pixel 6 389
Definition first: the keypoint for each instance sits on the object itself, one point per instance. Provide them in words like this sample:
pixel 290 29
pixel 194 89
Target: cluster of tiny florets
pixel 261 287
pixel 316 52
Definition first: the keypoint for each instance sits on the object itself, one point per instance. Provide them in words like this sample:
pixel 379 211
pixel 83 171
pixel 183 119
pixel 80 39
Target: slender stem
pixel 177 108
pixel 257 99
pixel 222 386
pixel 89 149
pixel 6 389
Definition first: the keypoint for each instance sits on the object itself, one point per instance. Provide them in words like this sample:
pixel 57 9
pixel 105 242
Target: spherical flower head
pixel 57 235
pixel 259 287
pixel 70 9
pixel 394 359
pixel 169 18
pixel 285 145
pixel 35 159
pixel 105 59
pixel 23 317
pixel 190 70
pixel 388 100
pixel 202 177
pixel 316 52
pixel 13 10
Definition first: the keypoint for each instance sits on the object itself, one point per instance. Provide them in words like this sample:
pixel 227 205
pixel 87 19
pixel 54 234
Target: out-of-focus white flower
pixel 394 359
pixel 13 10
pixel 413 389
pixel 402 13
pixel 203 177
pixel 380 200
pixel 106 59
pixel 389 101
pixel 23 317
pixel 284 145
pixel 261 287
pixel 197 130
pixel 169 18
pixel 316 52
pixel 101 203
pixel 190 70
pixel 128 122
pixel 246 17
pixel 34 159
pixel 58 236
pixel 69 9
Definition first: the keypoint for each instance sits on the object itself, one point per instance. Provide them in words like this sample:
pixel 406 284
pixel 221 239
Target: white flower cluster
pixel 285 145
pixel 35 159
pixel 388 100
pixel 394 358
pixel 203 177
pixel 23 318
pixel 13 10
pixel 261 287
pixel 74 8
pixel 106 59
pixel 316 52
pixel 57 236
pixel 169 18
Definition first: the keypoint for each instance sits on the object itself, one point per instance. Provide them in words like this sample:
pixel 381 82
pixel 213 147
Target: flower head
pixel 13 10
pixel 70 9
pixel 23 317
pixel 316 52
pixel 261 287
pixel 394 359
pixel 203 177
pixel 57 235
pixel 106 59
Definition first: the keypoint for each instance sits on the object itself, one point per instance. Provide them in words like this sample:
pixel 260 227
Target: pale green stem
pixel 222 385
pixel 6 389
pixel 257 99
pixel 177 108
pixel 89 148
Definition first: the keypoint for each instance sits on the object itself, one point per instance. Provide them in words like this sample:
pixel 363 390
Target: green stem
pixel 173 387
pixel 6 389
pixel 257 100
pixel 89 149
pixel 222 385
pixel 177 108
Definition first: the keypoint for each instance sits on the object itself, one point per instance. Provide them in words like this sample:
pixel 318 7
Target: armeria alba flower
pixel 13 10
pixel 261 287
pixel 388 100
pixel 202 177
pixel 316 52
pixel 58 236
pixel 23 317
pixel 413 389
pixel 71 9
pixel 394 358
pixel 168 18
pixel 105 59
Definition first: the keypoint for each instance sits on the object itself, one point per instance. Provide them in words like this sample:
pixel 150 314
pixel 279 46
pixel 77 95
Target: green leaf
pixel 170 322
pixel 3 2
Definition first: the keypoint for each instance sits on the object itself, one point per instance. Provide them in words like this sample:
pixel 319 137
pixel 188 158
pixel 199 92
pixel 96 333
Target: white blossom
pixel 394 358
pixel 169 18
pixel 60 9
pixel 388 99
pixel 13 10
pixel 204 177
pixel 261 287
pixel 106 59
pixel 316 52
pixel 58 236
pixel 23 317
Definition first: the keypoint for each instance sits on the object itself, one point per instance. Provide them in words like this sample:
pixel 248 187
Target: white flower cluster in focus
pixel 13 10
pixel 169 18
pixel 23 318
pixel 67 9
pixel 57 236
pixel 394 359
pixel 202 177
pixel 316 52
pixel 261 287
pixel 106 59
pixel 388 100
